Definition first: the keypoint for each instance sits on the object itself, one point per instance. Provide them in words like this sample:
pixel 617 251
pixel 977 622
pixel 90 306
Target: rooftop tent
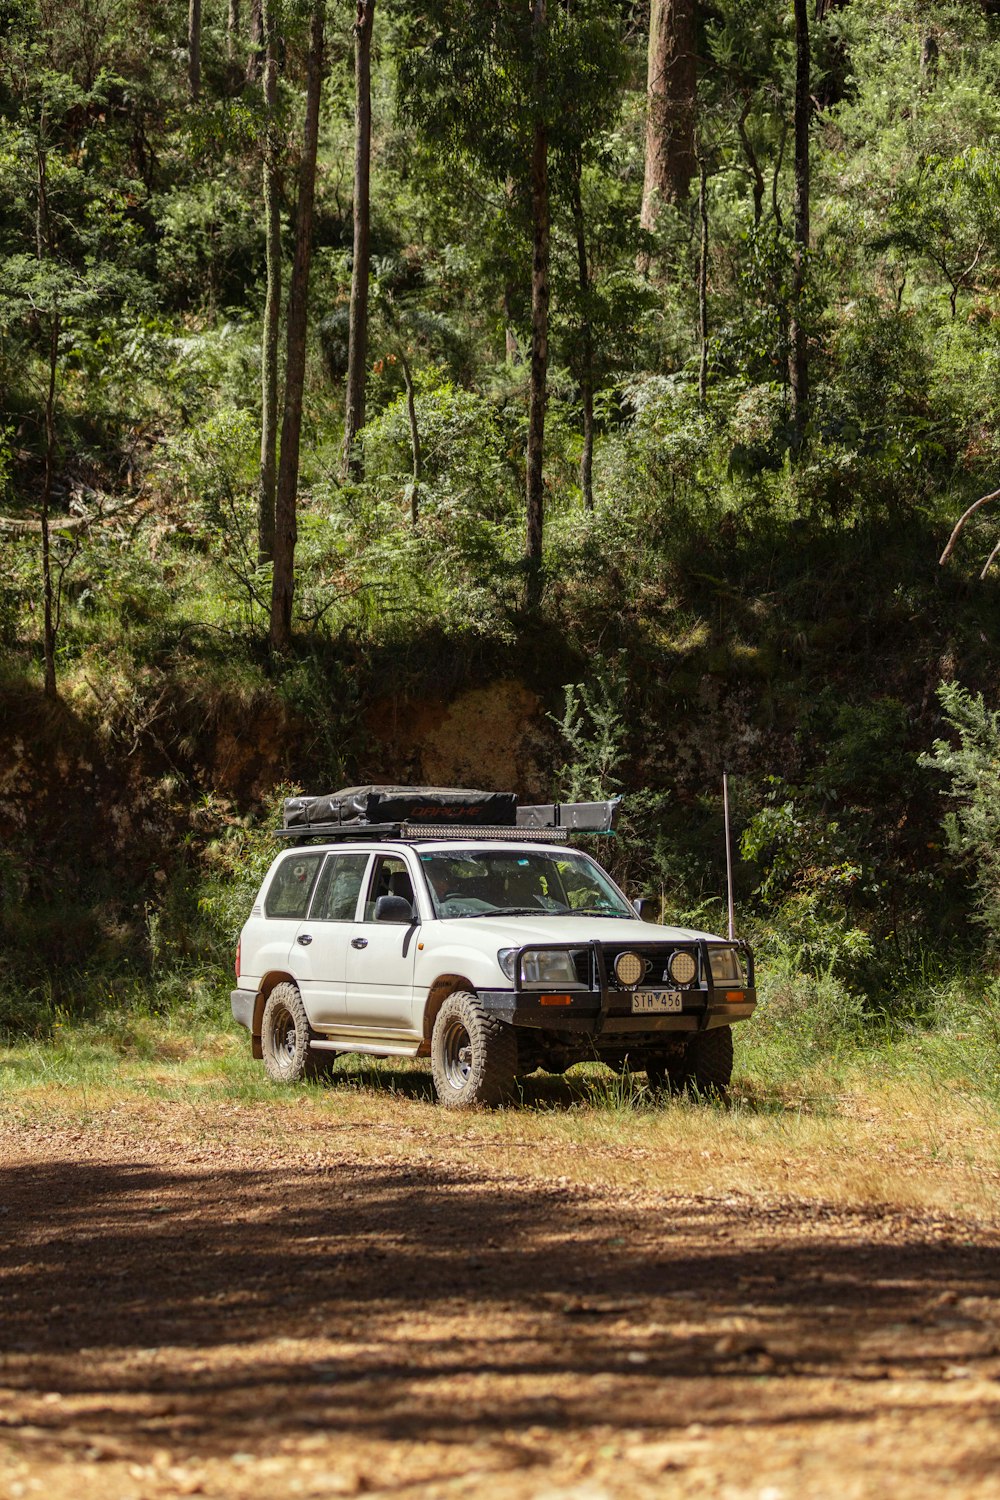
pixel 362 806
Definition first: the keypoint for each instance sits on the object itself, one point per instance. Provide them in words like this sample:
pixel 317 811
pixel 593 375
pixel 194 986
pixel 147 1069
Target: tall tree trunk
pixel 537 391
pixel 255 56
pixel 194 49
pixel 586 336
pixel 43 249
pixel 272 303
pixel 50 455
pixel 285 531
pixel 232 27
pixel 357 341
pixel 703 282
pixel 671 107
pixel 798 366
pixel 512 349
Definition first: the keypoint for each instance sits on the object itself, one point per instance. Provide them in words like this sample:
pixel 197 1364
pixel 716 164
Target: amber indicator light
pixel 735 995
pixel 555 999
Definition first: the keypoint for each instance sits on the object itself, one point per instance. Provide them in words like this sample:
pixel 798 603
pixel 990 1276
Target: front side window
pixel 338 888
pixel 390 877
pixel 475 882
pixel 290 889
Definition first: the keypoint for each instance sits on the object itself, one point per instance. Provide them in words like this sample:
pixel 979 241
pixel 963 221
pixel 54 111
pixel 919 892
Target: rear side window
pixel 339 886
pixel 289 891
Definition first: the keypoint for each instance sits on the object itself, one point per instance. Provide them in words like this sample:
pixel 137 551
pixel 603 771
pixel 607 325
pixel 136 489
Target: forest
pixel 610 377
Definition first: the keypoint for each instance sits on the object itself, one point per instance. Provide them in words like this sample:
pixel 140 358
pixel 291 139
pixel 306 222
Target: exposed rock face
pixel 494 736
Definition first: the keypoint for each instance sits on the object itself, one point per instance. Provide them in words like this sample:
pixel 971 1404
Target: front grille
pixel 654 956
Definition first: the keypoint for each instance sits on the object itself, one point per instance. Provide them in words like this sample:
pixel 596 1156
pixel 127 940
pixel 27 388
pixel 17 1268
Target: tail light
pixel 239 945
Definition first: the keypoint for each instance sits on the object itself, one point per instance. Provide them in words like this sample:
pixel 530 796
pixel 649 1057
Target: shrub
pixel 972 767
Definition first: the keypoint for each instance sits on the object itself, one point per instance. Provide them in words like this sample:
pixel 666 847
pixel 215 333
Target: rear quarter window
pixel 291 885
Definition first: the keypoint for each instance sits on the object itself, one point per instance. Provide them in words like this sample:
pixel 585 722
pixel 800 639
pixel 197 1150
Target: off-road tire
pixel 473 1056
pixel 667 1075
pixel 704 1069
pixel 285 1035
pixel 708 1062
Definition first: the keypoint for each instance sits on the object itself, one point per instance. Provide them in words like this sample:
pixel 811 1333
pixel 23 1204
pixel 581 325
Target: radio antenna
pixel 729 859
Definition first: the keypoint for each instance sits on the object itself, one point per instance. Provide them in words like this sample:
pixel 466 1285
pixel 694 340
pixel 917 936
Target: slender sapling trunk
pixel 539 318
pixel 357 340
pixel 798 368
pixel 586 337
pixel 703 281
pixel 272 303
pixel 194 49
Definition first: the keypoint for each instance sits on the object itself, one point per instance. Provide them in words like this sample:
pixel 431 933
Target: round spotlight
pixel 629 968
pixel 682 968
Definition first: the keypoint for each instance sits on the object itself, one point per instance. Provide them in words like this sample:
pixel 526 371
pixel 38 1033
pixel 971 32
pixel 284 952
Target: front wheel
pixel 473 1056
pixel 704 1069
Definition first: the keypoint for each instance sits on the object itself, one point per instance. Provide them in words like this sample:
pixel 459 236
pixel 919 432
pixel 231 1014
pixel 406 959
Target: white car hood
pixel 515 932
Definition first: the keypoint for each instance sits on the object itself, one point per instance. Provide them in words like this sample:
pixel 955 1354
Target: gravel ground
pixel 189 1309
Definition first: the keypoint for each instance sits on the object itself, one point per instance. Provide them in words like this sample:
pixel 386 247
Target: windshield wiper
pixel 518 911
pixel 590 911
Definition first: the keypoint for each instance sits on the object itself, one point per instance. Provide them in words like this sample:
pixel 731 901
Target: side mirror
pixel 393 909
pixel 644 908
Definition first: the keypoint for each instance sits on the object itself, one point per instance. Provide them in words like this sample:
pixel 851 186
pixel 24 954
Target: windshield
pixel 500 882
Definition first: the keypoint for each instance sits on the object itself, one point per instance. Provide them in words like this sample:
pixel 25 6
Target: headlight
pixel 505 958
pixel 547 968
pixel 726 966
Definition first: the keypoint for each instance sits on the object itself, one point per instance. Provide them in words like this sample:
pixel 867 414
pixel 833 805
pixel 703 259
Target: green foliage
pixel 972 767
pixel 807 886
pixel 593 729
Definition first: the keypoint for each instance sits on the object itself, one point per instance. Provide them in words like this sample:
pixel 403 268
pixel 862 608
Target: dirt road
pixel 187 1313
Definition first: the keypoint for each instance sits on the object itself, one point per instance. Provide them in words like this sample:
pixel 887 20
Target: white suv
pixel 493 955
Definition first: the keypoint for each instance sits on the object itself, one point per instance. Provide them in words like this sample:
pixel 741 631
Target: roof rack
pixel 394 812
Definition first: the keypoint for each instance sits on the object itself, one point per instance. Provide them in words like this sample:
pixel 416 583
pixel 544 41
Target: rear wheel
pixel 473 1055
pixel 285 1035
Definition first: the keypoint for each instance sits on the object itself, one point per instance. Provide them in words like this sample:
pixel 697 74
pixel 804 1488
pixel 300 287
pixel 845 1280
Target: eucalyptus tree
pixel 285 528
pixel 671 105
pixel 474 77
pixel 512 89
pixel 357 346
pixel 588 74
pixel 194 50
pixel 272 302
pixel 798 352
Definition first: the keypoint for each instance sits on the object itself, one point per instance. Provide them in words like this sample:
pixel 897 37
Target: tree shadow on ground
pixel 239 1306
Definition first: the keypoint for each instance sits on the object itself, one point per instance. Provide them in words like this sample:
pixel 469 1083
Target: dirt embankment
pixel 201 1311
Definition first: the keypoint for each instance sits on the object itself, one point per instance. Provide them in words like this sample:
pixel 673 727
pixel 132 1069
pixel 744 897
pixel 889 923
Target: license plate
pixel 646 1001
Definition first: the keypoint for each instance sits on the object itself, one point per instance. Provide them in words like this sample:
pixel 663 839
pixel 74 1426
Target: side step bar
pixel 375 1049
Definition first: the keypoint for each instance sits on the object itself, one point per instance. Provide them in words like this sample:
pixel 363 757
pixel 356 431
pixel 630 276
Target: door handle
pixel 305 939
pixel 359 942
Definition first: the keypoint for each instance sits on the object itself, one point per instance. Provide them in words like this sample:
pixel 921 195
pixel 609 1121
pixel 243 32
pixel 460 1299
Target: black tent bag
pixel 361 806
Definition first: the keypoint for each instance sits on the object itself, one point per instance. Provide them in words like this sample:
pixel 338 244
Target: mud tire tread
pixel 704 1070
pixel 303 1063
pixel 494 1055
